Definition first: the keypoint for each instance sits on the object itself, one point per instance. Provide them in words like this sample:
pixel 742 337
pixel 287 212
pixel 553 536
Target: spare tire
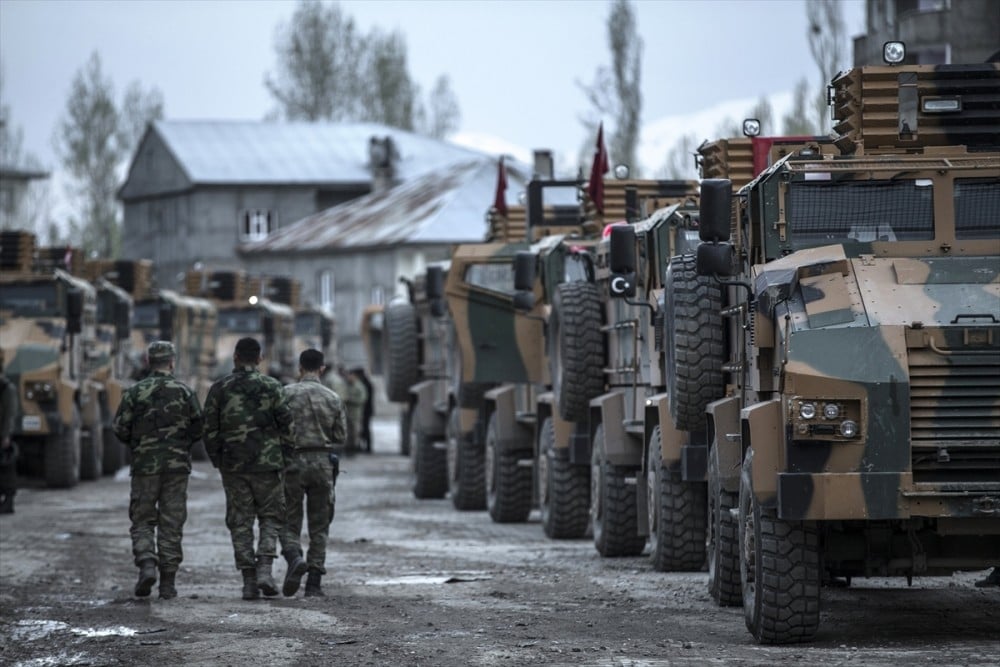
pixel 576 348
pixel 693 342
pixel 402 350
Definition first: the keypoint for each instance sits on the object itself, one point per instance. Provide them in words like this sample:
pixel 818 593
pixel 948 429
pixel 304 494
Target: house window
pixel 326 289
pixel 256 224
pixel 378 295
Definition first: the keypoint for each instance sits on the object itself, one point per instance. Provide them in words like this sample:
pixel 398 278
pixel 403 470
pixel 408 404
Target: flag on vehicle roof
pixel 500 200
pixel 595 188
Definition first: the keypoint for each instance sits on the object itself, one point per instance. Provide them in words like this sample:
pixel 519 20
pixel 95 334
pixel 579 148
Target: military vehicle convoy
pixel 48 333
pixel 858 431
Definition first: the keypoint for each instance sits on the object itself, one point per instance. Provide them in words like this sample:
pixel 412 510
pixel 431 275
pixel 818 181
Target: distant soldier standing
pixel 355 400
pixel 248 431
pixel 159 420
pixel 8 454
pixel 320 427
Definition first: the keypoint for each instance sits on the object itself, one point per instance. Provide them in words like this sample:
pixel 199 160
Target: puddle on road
pixel 33 629
pixel 424 579
pixel 59 660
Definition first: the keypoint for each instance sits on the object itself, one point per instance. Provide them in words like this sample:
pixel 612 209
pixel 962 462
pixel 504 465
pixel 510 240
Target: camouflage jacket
pixel 159 419
pixel 318 414
pixel 248 424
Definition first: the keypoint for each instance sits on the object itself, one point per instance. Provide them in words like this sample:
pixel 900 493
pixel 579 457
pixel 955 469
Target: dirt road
pixel 418 583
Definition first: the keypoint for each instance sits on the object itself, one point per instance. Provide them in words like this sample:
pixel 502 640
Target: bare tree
pixel 94 138
pixel 319 56
pixel 796 122
pixel 764 112
pixel 827 45
pixel 24 203
pixel 616 91
pixel 388 95
pixel 444 115
pixel 680 162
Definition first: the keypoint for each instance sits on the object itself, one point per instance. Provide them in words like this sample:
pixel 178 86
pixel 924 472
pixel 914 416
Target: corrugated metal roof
pixel 446 206
pixel 225 151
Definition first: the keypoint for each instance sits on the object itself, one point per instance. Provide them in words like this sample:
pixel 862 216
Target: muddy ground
pixel 419 583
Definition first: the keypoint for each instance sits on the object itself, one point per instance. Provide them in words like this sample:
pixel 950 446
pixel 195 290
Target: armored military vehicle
pixel 858 431
pixel 47 330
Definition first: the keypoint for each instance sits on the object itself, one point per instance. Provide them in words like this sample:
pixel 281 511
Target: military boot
pixel 250 591
pixel 147 577
pixel 313 588
pixel 167 589
pixel 265 582
pixel 293 577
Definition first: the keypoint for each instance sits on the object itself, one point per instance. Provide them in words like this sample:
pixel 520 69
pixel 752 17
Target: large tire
pixel 563 489
pixel 92 453
pixel 62 455
pixel 430 467
pixel 576 348
pixel 466 468
pixel 508 485
pixel 779 571
pixel 693 342
pixel 114 452
pixel 402 350
pixel 613 505
pixel 723 547
pixel 676 515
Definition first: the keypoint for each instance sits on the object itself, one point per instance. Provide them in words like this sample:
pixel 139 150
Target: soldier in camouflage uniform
pixel 320 426
pixel 159 420
pixel 248 436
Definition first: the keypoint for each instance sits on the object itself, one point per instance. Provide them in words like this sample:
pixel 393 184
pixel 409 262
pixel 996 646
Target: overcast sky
pixel 514 65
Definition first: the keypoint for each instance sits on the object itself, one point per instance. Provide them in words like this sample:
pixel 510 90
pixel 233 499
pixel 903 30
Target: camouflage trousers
pixel 157 508
pixel 309 477
pixel 253 497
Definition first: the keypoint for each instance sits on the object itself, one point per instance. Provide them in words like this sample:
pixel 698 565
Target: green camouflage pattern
pixel 159 420
pixel 309 478
pixel 157 508
pixel 254 497
pixel 248 422
pixel 318 414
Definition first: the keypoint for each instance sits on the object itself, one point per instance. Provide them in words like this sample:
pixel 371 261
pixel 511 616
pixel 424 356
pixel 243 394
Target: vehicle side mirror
pixel 166 322
pixel 715 259
pixel 269 329
pixel 435 282
pixel 622 249
pixel 439 307
pixel 524 300
pixel 74 311
pixel 524 271
pixel 715 215
pixel 123 320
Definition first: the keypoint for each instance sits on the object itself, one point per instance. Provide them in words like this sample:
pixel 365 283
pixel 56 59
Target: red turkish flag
pixel 500 200
pixel 595 188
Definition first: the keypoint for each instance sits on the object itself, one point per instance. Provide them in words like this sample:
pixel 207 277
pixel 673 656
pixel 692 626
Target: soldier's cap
pixel 160 350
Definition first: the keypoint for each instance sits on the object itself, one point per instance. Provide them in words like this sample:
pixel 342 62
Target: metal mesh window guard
pixel 977 208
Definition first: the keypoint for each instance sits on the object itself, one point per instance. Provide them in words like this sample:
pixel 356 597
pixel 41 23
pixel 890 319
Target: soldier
pixel 8 454
pixel 248 436
pixel 334 380
pixel 159 420
pixel 320 426
pixel 365 427
pixel 355 400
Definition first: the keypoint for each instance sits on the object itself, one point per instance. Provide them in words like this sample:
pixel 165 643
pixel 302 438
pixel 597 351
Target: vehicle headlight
pixel 807 410
pixel 893 53
pixel 831 411
pixel 39 392
pixel 848 428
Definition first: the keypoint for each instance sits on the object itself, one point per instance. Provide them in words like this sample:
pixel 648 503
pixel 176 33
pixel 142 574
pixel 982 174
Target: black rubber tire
pixel 779 571
pixel 508 485
pixel 563 489
pixel 92 453
pixel 402 350
pixel 430 467
pixel 466 468
pixel 723 547
pixel 676 515
pixel 62 455
pixel 405 418
pixel 613 505
pixel 693 342
pixel 576 348
pixel 114 452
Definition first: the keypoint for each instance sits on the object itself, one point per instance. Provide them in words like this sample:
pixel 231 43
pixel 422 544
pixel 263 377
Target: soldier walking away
pixel 8 453
pixel 248 436
pixel 365 428
pixel 311 475
pixel 334 379
pixel 159 420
